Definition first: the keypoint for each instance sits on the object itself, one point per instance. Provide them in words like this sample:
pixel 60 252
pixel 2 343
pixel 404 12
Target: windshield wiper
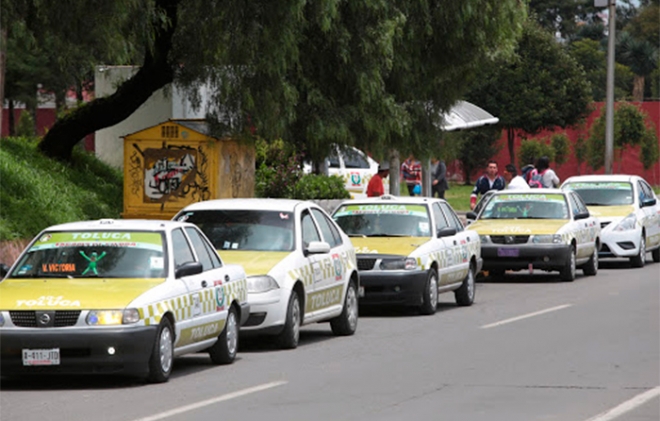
pixel 388 235
pixel 357 235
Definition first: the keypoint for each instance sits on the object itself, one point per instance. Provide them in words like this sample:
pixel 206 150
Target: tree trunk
pixel 155 73
pixel 510 137
pixel 3 43
pixel 638 88
pixel 466 174
pixel 10 119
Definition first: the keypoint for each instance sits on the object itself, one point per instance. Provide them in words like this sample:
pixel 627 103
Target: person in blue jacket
pixel 489 181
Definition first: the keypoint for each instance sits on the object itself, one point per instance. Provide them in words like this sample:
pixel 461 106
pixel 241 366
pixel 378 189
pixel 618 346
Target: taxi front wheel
pixel 639 260
pixel 568 272
pixel 288 338
pixel 430 294
pixel 162 354
pixel 656 255
pixel 465 293
pixel 346 323
pixel 224 350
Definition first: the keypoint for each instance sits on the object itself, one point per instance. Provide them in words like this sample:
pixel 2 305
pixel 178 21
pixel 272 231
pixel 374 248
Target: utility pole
pixel 609 104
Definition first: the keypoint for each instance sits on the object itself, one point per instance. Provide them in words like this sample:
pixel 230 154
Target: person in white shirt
pixel 513 180
pixel 550 179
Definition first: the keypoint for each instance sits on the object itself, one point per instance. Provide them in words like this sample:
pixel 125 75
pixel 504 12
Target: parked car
pixel 629 214
pixel 547 229
pixel 301 267
pixel 355 167
pixel 119 296
pixel 409 250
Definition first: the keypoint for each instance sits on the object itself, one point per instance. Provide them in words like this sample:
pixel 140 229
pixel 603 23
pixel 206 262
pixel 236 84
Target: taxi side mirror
pixel 649 202
pixel 582 215
pixel 4 270
pixel 446 232
pixel 188 269
pixel 317 247
pixel 471 216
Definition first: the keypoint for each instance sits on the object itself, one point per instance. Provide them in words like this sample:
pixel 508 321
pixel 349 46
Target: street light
pixel 609 110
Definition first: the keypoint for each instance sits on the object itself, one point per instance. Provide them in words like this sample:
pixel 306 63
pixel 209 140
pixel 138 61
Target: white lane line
pixel 525 316
pixel 201 404
pixel 628 405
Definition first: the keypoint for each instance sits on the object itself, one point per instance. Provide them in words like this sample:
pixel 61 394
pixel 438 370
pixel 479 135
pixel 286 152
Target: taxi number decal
pixel 58 267
pixel 325 298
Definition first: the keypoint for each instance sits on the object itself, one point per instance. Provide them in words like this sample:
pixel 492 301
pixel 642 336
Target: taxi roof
pixel 600 177
pixel 283 205
pixel 119 224
pixel 389 199
pixel 531 191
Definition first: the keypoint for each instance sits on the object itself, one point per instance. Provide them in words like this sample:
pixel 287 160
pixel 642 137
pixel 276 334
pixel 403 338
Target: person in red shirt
pixel 375 187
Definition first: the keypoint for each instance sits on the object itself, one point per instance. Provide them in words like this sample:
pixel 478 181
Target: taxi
pixel 546 229
pixel 119 296
pixel 409 250
pixel 300 267
pixel 629 214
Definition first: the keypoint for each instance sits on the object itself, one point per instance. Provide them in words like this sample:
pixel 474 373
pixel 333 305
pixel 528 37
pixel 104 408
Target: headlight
pixel 112 317
pixel 399 264
pixel 627 223
pixel 485 238
pixel 546 239
pixel 2 319
pixel 262 283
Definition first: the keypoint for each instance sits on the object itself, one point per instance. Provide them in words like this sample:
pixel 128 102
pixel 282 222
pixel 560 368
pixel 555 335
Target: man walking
pixel 489 181
pixel 411 169
pixel 375 187
pixel 439 178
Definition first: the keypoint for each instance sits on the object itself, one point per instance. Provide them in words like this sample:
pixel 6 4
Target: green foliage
pixel 38 192
pixel 313 186
pixel 25 126
pixel 532 149
pixel 561 146
pixel 649 154
pixel 581 150
pixel 477 146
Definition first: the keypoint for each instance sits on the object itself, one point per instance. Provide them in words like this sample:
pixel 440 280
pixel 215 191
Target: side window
pixel 453 220
pixel 581 205
pixel 332 160
pixel 309 232
pixel 181 248
pixel 329 231
pixel 646 189
pixel 354 159
pixel 574 204
pixel 201 251
pixel 439 217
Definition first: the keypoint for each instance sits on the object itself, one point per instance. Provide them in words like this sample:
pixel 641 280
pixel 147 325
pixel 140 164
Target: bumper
pixel 400 287
pixel 620 243
pixel 519 256
pixel 82 351
pixel 267 312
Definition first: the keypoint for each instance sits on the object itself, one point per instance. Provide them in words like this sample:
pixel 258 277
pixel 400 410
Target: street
pixel 530 348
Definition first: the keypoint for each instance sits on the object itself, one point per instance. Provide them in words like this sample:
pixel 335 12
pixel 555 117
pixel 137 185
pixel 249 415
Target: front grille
pixel 28 318
pixel 509 239
pixel 366 264
pixel 604 224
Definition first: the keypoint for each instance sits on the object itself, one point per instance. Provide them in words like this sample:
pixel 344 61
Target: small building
pixel 178 162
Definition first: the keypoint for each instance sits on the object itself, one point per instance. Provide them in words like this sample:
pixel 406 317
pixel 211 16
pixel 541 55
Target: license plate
pixel 41 356
pixel 361 291
pixel 508 252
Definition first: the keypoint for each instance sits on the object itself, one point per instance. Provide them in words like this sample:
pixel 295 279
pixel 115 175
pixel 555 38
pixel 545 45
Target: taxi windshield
pixel 526 206
pixel 384 220
pixel 603 193
pixel 94 254
pixel 254 230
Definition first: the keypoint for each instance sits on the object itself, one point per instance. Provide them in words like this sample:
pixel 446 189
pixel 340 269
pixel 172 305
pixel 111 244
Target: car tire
pixel 640 260
pixel 162 354
pixel 346 323
pixel 430 294
pixel 567 273
pixel 225 349
pixel 656 255
pixel 464 295
pixel 290 335
pixel 591 267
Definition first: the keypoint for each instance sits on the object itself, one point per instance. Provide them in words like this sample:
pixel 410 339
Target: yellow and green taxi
pixel 629 214
pixel 119 296
pixel 301 268
pixel 546 229
pixel 410 249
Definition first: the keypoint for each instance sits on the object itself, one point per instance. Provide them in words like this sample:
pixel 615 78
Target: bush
pixel 561 146
pixel 25 125
pixel 313 187
pixel 532 149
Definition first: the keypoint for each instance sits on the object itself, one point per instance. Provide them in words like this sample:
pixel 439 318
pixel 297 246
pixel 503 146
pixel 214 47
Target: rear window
pixel 603 193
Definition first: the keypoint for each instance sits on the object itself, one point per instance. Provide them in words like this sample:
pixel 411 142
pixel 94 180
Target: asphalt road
pixel 531 348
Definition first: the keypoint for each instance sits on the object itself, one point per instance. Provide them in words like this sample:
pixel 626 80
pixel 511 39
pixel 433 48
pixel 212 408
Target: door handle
pixel 226 278
pixel 455 243
pixel 204 284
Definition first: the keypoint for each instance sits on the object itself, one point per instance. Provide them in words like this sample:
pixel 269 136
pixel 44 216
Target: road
pixel 531 348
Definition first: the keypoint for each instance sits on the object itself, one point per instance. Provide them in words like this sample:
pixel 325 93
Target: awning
pixel 465 115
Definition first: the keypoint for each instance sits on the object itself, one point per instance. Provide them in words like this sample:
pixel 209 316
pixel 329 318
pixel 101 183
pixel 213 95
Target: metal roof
pixel 465 115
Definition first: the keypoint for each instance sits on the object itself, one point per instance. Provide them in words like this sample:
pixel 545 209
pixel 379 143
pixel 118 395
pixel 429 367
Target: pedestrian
pixel 411 170
pixel 527 169
pixel 375 187
pixel 489 181
pixel 439 178
pixel 514 181
pixel 549 178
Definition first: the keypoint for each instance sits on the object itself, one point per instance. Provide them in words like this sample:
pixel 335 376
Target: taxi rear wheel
pixel 288 338
pixel 465 293
pixel 224 350
pixel 568 272
pixel 656 255
pixel 162 354
pixel 346 323
pixel 591 267
pixel 639 260
pixel 430 295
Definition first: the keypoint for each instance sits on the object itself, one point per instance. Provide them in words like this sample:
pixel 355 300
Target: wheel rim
pixel 352 307
pixel 596 259
pixel 433 291
pixel 642 250
pixel 470 284
pixel 165 349
pixel 573 264
pixel 232 333
pixel 295 318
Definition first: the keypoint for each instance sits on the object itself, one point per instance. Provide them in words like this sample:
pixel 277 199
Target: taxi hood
pixel 517 226
pixel 254 262
pixel 72 294
pixel 611 212
pixel 388 245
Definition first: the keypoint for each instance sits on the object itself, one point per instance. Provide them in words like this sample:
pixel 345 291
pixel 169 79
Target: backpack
pixel 525 172
pixel 535 179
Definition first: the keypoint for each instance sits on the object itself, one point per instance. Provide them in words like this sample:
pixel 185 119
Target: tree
pixel 477 146
pixel 642 58
pixel 540 87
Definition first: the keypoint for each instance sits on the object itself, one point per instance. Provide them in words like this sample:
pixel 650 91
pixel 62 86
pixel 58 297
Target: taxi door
pixel 318 263
pixel 459 257
pixel 651 214
pixel 584 229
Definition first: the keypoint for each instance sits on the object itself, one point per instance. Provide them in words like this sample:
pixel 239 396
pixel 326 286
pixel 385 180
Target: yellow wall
pixel 170 166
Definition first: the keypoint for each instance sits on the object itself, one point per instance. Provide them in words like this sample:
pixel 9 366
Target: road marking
pixel 628 405
pixel 525 316
pixel 201 404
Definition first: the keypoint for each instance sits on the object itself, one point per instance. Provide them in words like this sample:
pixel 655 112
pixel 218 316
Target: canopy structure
pixel 465 115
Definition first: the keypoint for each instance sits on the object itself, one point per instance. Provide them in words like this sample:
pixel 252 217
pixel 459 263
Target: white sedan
pixel 629 214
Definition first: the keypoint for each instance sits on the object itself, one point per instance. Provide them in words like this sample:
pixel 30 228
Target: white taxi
pixel 119 296
pixel 301 268
pixel 411 249
pixel 629 214
pixel 546 229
